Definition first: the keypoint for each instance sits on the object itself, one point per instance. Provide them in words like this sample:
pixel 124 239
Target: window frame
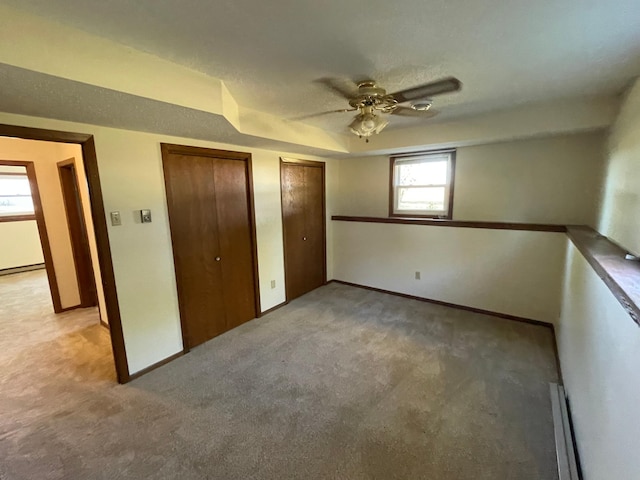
pixel 19 216
pixel 448 215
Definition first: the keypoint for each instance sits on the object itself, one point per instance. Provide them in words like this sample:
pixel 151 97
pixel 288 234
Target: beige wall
pixel 547 180
pixel 19 241
pixel 45 155
pixel 620 213
pixel 130 167
pixel 506 271
pixel 599 346
pixel 68 151
pixel 19 244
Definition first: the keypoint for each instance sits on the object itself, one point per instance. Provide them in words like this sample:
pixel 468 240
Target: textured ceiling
pixel 271 54
pixel 41 95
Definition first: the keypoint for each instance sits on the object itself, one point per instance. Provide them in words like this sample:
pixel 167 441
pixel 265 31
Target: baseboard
pixel 557 354
pixel 280 305
pixel 159 364
pixel 24 268
pixel 451 305
pixel 68 309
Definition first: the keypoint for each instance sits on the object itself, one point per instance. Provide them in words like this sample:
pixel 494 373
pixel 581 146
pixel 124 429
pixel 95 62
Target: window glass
pixel 421 198
pixel 15 195
pixel 426 173
pixel 421 185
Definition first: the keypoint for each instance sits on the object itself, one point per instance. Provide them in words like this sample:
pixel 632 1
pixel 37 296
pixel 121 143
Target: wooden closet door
pixel 213 236
pixel 314 227
pixel 294 229
pixel 303 215
pixel 234 237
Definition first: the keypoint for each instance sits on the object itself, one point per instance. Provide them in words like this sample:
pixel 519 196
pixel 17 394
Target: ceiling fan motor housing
pixel 370 95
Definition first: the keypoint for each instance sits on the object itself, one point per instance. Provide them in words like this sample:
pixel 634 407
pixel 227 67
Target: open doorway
pixel 77 224
pixel 68 214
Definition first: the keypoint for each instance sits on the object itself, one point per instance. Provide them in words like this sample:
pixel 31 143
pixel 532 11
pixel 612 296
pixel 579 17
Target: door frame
pixel 90 161
pixel 38 216
pixel 168 149
pixel 322 166
pixel 87 298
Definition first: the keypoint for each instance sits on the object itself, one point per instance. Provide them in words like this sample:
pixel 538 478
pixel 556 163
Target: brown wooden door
pixel 212 230
pixel 303 216
pixel 77 233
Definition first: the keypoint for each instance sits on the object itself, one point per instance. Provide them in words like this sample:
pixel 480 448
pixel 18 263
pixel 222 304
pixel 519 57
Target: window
pixel 15 195
pixel 422 185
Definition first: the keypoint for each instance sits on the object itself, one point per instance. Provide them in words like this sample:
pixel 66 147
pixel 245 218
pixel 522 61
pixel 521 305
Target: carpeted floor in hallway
pixel 343 383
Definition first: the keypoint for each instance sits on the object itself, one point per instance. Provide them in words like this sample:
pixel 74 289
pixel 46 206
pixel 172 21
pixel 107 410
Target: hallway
pixel 46 360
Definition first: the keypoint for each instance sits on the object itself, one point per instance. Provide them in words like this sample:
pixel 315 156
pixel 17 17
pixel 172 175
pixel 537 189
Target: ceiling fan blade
pixel 410 112
pixel 344 88
pixel 446 85
pixel 313 115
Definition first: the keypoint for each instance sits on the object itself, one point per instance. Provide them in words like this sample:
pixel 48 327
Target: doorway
pixel 212 223
pixel 87 146
pixel 77 233
pixel 302 184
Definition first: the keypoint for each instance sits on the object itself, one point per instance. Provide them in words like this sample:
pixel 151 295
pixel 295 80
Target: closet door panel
pixel 294 229
pixel 234 238
pixel 314 227
pixel 303 224
pixel 191 202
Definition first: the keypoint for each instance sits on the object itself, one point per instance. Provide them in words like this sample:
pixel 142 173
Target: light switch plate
pixel 145 216
pixel 115 219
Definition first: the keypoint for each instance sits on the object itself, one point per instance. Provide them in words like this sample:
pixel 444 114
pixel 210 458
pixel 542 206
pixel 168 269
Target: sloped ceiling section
pixel 40 95
pixel 38 45
pixel 56 70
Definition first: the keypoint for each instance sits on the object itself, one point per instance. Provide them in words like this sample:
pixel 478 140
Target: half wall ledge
pixel 608 260
pixel 621 276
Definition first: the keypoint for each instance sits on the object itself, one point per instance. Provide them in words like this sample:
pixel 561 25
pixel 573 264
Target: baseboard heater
pixel 25 268
pixel 565 451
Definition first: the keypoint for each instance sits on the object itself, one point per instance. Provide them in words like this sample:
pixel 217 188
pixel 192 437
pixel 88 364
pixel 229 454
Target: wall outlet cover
pixel 115 219
pixel 145 216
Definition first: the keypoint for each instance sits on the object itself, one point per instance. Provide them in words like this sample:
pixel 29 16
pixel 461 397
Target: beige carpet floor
pixel 342 383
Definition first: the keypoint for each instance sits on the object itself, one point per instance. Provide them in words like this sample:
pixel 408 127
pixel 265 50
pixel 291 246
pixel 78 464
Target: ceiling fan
pixel 370 100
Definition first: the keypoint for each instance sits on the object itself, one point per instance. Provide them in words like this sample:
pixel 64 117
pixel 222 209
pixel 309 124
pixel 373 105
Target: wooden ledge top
pixel 608 260
pixel 534 227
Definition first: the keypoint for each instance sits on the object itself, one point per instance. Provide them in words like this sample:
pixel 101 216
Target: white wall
pixel 620 213
pixel 19 244
pixel 130 165
pixel 599 347
pixel 546 180
pixel 507 271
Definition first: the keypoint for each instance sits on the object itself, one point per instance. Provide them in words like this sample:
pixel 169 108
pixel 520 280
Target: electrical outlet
pixel 273 284
pixel 417 275
pixel 115 219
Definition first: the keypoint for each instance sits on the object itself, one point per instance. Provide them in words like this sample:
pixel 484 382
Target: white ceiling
pixel 270 54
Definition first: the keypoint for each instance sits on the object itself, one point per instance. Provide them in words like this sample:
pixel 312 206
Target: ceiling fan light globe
pixel 366 124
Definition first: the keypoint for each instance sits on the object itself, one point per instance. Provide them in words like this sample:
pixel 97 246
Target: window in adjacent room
pixel 15 195
pixel 422 185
